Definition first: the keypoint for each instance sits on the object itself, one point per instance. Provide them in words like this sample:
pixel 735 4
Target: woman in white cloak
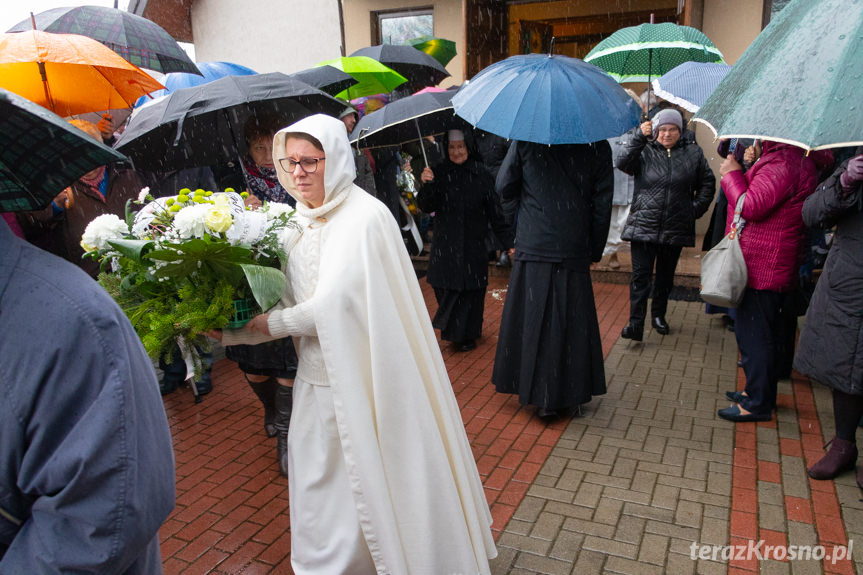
pixel 381 474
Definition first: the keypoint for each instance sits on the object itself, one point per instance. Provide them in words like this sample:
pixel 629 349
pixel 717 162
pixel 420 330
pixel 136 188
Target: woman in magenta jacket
pixel 775 187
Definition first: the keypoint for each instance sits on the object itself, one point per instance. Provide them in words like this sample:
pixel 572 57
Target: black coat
pixel 830 349
pixel 464 203
pixel 673 188
pixel 562 196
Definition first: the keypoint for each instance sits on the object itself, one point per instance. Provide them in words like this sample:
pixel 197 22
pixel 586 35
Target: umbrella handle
pixel 649 70
pixel 422 146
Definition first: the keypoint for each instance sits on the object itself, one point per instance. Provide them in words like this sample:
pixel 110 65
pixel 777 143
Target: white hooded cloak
pixel 418 495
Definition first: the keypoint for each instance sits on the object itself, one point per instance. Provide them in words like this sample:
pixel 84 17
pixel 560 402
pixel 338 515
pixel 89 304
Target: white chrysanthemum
pixel 101 230
pixel 142 195
pixel 191 221
pixel 275 209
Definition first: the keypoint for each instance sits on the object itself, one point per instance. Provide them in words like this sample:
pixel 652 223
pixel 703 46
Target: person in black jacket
pixel 673 187
pixel 829 349
pixel 460 192
pixel 549 350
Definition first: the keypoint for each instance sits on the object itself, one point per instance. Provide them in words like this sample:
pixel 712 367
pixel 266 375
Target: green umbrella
pixel 41 153
pixel 639 53
pixel 438 48
pixel 373 77
pixel 798 82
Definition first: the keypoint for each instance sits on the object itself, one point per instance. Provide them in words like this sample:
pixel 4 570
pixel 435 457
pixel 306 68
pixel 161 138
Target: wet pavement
pixel 644 480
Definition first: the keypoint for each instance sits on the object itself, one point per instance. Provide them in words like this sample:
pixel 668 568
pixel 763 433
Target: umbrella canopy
pixel 69 74
pixel 798 82
pixel 372 76
pixel 547 100
pixel 41 153
pixel 326 79
pixel 203 125
pixel 440 49
pixel 209 71
pixel 138 40
pixel 418 67
pixel 690 84
pixel 408 119
pixel 640 53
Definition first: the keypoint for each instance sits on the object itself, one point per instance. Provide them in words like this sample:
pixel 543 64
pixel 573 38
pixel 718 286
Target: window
pixel 399 26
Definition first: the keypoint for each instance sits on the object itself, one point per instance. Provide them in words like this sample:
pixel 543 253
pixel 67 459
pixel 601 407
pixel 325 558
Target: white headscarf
pixel 339 169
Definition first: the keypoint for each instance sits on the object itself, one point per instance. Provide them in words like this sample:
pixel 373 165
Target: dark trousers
pixel 644 255
pixel 175 371
pixel 760 335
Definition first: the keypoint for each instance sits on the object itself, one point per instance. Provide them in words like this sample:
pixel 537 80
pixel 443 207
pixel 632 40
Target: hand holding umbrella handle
pixel 427 175
pixel 853 173
pixel 647 129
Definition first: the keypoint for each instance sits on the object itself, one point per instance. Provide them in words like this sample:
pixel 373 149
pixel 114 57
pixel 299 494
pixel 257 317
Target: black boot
pixel 284 403
pixel 633 331
pixel 266 392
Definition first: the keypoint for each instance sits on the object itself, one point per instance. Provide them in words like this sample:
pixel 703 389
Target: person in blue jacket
pixel 86 462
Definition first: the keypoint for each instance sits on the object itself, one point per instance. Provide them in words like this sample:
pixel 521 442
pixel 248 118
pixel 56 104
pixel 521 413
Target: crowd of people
pixel 347 367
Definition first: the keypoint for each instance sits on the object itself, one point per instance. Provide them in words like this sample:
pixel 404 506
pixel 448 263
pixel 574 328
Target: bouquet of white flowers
pixel 187 264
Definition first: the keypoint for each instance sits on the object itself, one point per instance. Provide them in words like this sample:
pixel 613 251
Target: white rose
pixel 142 195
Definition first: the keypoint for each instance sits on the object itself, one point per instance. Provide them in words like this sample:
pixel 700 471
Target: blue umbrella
pixel 689 84
pixel 547 100
pixel 210 71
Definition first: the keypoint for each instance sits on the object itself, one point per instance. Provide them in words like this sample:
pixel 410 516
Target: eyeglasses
pixel 309 165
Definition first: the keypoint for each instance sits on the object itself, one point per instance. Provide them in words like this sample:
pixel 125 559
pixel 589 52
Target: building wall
pixel 732 25
pixel 448 17
pixel 267 35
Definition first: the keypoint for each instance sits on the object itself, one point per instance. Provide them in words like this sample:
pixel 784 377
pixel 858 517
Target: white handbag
pixel 723 269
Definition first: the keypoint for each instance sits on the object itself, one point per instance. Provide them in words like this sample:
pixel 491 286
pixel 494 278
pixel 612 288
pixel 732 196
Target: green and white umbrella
pixel 640 53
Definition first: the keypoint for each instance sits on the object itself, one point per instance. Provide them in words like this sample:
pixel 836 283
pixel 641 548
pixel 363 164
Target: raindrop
pixel 841 36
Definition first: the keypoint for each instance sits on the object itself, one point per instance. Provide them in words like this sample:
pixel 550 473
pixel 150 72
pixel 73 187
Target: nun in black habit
pixel 549 351
pixel 460 193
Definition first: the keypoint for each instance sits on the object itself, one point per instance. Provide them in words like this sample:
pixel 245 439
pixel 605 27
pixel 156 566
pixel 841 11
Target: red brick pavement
pixel 232 504
pixel 820 510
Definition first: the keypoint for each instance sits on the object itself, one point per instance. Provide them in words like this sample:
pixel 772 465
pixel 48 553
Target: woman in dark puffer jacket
pixel 673 187
pixel 830 349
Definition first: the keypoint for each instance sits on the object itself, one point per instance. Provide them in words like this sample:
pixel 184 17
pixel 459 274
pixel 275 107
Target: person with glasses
pixel 380 472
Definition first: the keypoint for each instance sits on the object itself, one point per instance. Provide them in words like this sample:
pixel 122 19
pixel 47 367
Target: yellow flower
pixel 244 195
pixel 183 198
pixel 176 208
pixel 185 191
pixel 221 201
pixel 219 219
pixel 229 190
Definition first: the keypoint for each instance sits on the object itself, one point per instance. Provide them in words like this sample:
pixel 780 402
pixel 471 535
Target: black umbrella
pixel 326 78
pixel 418 67
pixel 41 153
pixel 201 126
pixel 407 120
pixel 138 40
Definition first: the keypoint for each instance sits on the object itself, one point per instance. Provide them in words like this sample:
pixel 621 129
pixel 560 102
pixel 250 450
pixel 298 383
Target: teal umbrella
pixel 639 53
pixel 799 82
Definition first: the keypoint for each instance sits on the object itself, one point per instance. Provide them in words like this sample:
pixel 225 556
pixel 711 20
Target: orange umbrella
pixel 69 74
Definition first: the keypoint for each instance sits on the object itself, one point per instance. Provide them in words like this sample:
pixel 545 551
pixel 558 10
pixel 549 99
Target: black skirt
pixel 275 358
pixel 549 351
pixel 459 313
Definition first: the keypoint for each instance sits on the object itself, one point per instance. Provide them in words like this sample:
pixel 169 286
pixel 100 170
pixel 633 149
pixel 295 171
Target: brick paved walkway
pixel 627 488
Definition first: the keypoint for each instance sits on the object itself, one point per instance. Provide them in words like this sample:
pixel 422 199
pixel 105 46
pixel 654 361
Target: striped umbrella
pixel 639 53
pixel 690 84
pixel 140 41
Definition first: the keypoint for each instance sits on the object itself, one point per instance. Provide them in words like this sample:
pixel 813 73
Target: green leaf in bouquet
pixel 266 283
pixel 132 249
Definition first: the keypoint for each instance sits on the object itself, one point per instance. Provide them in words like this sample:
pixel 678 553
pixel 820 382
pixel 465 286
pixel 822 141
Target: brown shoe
pixel 841 457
